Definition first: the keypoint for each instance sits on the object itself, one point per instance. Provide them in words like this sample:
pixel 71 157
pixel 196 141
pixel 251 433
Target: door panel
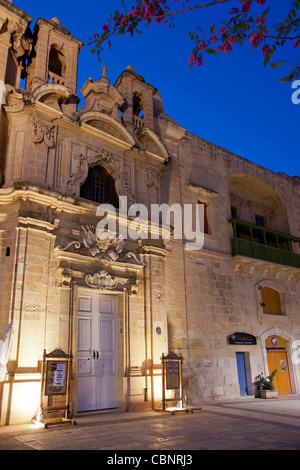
pixel 84 333
pixel 86 394
pixel 107 335
pixel 107 306
pixel 85 303
pixel 278 360
pixel 241 366
pixel 97 351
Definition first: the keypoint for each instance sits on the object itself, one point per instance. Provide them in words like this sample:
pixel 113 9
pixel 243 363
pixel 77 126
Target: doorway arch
pixel 278 341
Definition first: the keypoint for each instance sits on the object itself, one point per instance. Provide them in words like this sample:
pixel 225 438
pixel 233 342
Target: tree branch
pixel 215 2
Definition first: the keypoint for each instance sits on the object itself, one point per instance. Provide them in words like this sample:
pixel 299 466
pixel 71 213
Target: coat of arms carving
pixel 102 245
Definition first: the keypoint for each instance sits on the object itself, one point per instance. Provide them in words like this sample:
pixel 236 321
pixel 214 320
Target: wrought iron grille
pixel 100 187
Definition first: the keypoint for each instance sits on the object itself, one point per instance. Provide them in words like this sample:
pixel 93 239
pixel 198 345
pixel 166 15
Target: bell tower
pixel 139 96
pixel 15 42
pixel 15 46
pixel 54 59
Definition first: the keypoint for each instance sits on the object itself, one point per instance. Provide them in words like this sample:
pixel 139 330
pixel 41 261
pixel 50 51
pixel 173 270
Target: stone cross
pixel 104 68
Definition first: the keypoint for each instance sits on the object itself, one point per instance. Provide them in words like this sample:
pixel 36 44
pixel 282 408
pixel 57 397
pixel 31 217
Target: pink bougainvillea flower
pixel 246 6
pixel 227 47
pixel 256 38
pixel 202 45
pixel 261 20
pixel 192 59
pixel 265 50
pixel 200 61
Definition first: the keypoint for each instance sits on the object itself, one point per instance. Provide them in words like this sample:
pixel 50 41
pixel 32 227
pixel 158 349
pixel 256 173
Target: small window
pixel 270 301
pixel 205 224
pixel 100 187
pixel 259 221
pixel 56 62
pixel 138 107
pixel 233 212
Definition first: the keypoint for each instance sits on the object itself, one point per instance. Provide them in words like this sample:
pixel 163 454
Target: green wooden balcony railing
pixel 258 242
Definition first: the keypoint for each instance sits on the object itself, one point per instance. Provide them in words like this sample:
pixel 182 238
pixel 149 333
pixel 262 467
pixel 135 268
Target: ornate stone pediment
pixel 151 144
pixel 101 97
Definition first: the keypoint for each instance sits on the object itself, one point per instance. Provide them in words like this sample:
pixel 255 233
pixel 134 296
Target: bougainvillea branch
pixel 240 26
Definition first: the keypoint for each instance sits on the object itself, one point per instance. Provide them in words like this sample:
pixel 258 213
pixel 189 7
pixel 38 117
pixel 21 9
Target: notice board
pixel 172 375
pixel 56 377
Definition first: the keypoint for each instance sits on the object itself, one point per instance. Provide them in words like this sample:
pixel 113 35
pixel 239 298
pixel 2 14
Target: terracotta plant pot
pixel 268 393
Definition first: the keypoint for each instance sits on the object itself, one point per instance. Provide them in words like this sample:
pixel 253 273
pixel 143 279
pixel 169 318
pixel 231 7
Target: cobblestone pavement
pixel 241 425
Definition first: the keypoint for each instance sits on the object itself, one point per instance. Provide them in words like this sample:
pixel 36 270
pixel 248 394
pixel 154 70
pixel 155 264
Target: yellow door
pixel 278 360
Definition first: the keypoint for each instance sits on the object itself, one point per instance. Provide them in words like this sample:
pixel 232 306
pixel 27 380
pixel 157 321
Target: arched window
pixel 270 301
pixel 57 63
pixel 100 187
pixel 138 106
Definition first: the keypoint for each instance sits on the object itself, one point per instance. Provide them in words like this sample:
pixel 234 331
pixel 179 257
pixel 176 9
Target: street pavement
pixel 247 424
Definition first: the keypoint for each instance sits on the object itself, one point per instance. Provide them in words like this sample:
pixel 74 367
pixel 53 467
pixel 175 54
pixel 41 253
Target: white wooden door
pixel 97 351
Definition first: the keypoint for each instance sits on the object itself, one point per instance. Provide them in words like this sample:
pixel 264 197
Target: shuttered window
pixel 270 301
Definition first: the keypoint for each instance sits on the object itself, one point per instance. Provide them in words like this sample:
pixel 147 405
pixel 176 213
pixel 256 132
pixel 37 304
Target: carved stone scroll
pixel 42 133
pixel 101 280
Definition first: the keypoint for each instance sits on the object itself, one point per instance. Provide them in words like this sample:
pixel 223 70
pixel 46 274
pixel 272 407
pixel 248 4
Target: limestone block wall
pixel 8 244
pixel 31 305
pixel 211 296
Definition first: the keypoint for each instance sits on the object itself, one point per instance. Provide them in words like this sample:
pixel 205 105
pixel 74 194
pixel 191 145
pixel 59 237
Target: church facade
pixel 116 304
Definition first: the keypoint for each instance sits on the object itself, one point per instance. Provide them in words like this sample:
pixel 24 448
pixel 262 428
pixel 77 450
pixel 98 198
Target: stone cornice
pixel 47 197
pixel 16 10
pixel 203 191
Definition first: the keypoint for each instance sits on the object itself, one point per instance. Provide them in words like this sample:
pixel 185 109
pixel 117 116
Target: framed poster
pixel 56 377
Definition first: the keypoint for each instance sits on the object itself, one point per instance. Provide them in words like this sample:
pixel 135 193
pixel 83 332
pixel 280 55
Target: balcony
pixel 254 241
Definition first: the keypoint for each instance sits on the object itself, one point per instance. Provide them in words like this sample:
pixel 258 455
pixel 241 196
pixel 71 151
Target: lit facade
pixel 117 307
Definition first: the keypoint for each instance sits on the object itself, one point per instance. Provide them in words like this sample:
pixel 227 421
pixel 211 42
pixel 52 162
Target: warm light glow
pixel 26 398
pixel 173 408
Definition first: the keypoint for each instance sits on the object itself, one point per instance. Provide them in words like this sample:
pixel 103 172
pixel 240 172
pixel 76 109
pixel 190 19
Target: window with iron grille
pixel 100 187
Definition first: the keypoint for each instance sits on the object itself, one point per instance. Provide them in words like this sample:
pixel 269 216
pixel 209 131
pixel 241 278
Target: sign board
pixel 242 338
pixel 275 343
pixel 55 381
pixel 172 379
pixel 172 376
pixel 56 377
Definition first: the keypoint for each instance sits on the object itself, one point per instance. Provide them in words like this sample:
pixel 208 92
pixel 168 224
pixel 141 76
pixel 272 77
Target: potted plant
pixel 265 385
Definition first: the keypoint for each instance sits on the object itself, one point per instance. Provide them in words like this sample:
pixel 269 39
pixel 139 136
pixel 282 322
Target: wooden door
pixel 96 351
pixel 278 360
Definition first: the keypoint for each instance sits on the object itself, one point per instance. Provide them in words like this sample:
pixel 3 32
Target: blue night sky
pixel 232 101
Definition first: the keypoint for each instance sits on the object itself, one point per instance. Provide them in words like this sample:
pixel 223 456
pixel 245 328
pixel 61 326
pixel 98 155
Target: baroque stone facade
pixel 117 305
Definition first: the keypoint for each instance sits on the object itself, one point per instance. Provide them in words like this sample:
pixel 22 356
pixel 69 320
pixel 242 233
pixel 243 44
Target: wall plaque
pixel 242 338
